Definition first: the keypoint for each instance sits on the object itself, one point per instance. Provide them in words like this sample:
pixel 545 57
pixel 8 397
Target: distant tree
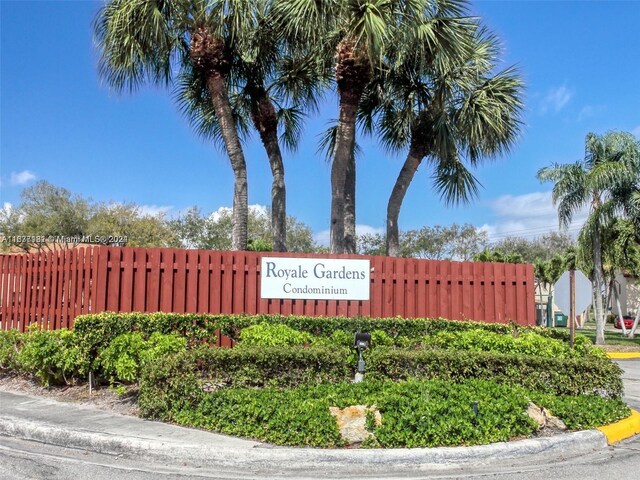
pixel 52 218
pixel 46 217
pixel 455 242
pixel 127 222
pixel 544 247
pixel 212 232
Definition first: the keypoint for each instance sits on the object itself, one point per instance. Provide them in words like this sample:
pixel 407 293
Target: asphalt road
pixel 23 460
pixel 631 379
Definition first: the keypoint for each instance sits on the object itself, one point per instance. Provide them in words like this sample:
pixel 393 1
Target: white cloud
pixel 21 178
pixel 154 210
pixel 323 238
pixel 636 131
pixel 257 209
pixel 369 230
pixel 556 99
pixel 586 112
pixel 529 215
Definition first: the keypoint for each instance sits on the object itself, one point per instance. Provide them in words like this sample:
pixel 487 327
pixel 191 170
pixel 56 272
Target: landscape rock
pixel 544 419
pixel 352 422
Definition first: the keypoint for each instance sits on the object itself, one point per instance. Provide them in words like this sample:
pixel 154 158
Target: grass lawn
pixel 612 336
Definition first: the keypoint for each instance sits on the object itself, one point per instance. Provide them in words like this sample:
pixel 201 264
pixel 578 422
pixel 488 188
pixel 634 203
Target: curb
pixel 623 355
pixel 296 462
pixel 623 429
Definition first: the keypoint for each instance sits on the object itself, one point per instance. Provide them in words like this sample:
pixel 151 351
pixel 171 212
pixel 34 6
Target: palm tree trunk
pixel 350 207
pixel 598 283
pixel 411 164
pixel 266 123
pixel 222 108
pixel 345 142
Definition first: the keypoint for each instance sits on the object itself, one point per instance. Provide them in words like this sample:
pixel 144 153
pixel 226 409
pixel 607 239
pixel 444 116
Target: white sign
pixel 561 292
pixel 315 278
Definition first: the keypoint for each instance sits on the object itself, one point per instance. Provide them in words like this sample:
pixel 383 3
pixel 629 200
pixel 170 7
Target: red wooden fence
pixel 53 288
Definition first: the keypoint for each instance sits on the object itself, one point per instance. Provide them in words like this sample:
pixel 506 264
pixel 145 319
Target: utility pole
pixel 572 307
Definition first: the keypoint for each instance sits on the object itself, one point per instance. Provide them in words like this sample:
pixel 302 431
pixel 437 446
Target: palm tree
pixel 270 88
pixel 448 112
pixel 148 40
pixel 595 182
pixel 355 37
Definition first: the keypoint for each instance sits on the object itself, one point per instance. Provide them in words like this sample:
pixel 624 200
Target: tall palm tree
pixel 595 182
pixel 271 89
pixel 148 40
pixel 448 112
pixel 355 36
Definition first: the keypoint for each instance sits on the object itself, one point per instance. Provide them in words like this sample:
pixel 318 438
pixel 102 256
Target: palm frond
pixel 327 142
pixel 291 121
pixel 454 182
pixel 136 42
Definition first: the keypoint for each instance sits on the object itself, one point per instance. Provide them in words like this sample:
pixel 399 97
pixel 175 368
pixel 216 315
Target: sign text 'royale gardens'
pixel 315 278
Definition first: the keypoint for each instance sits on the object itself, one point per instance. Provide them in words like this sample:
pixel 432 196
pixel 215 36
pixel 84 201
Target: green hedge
pixel 527 342
pixel 201 327
pixel 176 379
pixel 10 346
pixel 560 376
pixel 414 328
pixel 95 332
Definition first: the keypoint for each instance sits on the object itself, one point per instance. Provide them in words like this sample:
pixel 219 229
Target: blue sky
pixel 59 123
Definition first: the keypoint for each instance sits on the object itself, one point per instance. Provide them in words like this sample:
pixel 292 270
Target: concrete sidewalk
pixel 81 427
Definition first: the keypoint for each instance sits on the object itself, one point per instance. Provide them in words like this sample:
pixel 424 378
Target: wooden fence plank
pixel 216 283
pixel 180 281
pixel 114 272
pixel 399 287
pixel 191 281
pixel 153 282
pixel 76 262
pixel 56 291
pixel 204 277
pixel 140 276
pixel 167 279
pixel 126 280
pixel 239 282
pixel 530 295
pixel 226 300
pixel 467 291
pixel 7 306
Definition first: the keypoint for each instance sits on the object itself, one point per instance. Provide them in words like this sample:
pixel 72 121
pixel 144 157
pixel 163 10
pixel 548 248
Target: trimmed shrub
pixel 53 356
pixel 272 335
pixel 526 343
pixel 122 358
pixel 10 345
pixel 583 412
pixel 201 327
pixel 96 331
pixel 569 376
pixel 178 379
pixel 414 413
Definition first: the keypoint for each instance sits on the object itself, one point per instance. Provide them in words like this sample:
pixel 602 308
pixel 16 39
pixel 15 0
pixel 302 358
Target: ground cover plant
pixel 415 413
pixel 279 380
